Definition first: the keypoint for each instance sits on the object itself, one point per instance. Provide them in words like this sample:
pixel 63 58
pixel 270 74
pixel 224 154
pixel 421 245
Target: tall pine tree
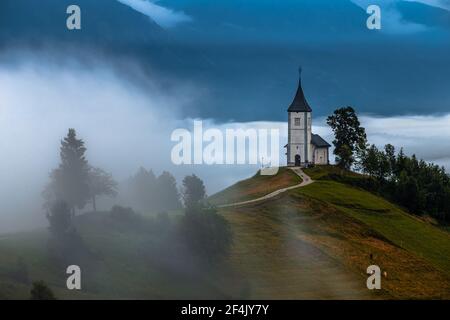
pixel 70 181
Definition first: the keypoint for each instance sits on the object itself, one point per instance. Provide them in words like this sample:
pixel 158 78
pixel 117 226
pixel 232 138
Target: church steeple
pixel 299 104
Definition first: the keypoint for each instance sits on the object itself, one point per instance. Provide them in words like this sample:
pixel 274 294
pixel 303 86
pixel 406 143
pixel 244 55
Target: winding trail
pixel 306 180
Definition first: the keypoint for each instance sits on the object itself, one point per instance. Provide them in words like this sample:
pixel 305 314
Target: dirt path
pixel 306 180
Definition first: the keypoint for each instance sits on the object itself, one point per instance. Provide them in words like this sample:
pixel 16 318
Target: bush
pixel 60 219
pixel 40 291
pixel 65 244
pixel 207 234
pixel 123 214
pixel 366 183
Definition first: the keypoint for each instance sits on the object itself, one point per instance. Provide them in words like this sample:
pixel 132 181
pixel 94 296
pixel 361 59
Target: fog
pixel 124 124
pixel 127 124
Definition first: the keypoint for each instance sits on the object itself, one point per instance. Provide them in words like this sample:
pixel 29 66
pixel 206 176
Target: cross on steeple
pixel 299 104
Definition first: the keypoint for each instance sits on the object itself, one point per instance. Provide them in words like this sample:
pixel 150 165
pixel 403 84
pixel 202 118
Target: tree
pixel 40 291
pixel 143 187
pixel 155 194
pixel 400 163
pixel 389 150
pixel 167 192
pixel 350 137
pixel 193 190
pixel 60 219
pixel 101 183
pixel 70 181
pixel 65 243
pixel 207 234
pixel 369 161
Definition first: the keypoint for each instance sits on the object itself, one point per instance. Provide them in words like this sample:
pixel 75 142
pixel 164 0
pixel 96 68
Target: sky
pixel 142 69
pixel 165 17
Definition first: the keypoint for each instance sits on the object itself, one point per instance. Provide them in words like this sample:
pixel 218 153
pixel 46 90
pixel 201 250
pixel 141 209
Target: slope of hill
pixel 284 244
pixel 403 229
pixel 313 242
pixel 255 187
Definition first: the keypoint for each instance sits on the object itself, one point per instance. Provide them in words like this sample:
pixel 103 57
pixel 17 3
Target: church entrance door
pixel 297 160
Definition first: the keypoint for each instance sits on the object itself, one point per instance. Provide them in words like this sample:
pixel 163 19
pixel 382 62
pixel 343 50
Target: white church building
pixel 304 147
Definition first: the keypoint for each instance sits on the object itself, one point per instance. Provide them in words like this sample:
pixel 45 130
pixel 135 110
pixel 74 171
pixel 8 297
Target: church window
pixel 297 121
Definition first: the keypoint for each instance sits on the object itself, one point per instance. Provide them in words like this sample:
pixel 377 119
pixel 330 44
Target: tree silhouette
pixel 60 219
pixel 70 181
pixel 193 190
pixel 143 186
pixel 101 183
pixel 167 192
pixel 40 291
pixel 350 137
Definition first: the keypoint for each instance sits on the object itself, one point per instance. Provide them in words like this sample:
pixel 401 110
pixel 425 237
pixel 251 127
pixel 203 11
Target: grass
pixel 324 172
pixel 344 229
pixel 255 187
pixel 399 227
pixel 295 247
pixel 313 242
pixel 278 263
pixel 118 269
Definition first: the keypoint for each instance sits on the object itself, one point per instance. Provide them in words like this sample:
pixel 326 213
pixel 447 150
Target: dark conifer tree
pixel 193 190
pixel 70 181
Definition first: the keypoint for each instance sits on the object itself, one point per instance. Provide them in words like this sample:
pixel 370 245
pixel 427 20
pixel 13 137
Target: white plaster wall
pixel 297 135
pixel 320 156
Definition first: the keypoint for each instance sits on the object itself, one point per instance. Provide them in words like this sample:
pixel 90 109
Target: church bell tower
pixel 299 149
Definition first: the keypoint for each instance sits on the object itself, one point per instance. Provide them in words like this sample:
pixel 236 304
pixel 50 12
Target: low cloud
pixel 126 126
pixel 164 17
pixel 428 137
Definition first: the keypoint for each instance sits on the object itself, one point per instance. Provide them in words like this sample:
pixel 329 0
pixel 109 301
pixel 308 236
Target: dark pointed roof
pixel 318 141
pixel 299 104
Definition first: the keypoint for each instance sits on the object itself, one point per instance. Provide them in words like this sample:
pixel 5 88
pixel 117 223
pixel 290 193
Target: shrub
pixel 207 234
pixel 40 291
pixel 123 214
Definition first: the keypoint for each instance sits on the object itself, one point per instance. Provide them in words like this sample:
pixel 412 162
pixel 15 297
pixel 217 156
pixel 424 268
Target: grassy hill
pixel 255 187
pixel 330 231
pixel 313 242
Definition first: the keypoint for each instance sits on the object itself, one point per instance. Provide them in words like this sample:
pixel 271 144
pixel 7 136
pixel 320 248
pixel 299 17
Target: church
pixel 304 148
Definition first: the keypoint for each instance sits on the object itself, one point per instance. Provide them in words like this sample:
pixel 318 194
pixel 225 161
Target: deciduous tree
pixel 350 138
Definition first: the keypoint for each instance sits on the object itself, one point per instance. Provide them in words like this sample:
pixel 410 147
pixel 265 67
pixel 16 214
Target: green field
pixel 404 230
